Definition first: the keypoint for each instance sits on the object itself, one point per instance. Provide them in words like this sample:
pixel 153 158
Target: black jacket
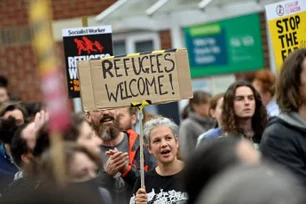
pixel 284 141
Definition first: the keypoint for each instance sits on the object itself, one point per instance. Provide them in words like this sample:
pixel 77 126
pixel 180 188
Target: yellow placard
pixel 287 27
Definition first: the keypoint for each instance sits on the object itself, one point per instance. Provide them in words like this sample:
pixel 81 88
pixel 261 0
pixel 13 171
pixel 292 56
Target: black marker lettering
pixel 152 64
pixel 107 65
pixel 161 85
pixel 172 62
pixel 130 86
pixel 125 65
pixel 116 67
pixel 158 64
pixel 111 95
pixel 139 86
pixel 151 84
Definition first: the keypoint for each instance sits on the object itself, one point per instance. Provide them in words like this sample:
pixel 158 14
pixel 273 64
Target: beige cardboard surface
pixel 118 81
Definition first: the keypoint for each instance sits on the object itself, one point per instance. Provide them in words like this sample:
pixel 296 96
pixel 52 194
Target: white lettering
pixel 73 73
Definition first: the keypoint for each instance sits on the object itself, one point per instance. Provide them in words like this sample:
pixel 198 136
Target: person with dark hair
pixel 163 183
pixel 197 122
pixel 243 114
pixel 284 139
pixel 26 152
pixel 261 184
pixel 213 157
pixel 12 115
pixel 24 141
pixel 7 166
pixel 215 111
pixel 4 95
pixel 264 82
pixel 15 110
pixel 120 154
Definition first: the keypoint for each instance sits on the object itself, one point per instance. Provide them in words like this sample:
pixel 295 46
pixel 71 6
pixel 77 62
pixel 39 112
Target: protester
pixel 11 116
pixel 197 122
pixel 120 155
pixel 213 157
pixel 127 118
pixel 264 82
pixel 215 111
pixel 253 185
pixel 24 141
pixel 163 182
pixel 27 157
pixel 15 110
pixel 243 114
pixel 81 167
pixel 4 95
pixel 284 139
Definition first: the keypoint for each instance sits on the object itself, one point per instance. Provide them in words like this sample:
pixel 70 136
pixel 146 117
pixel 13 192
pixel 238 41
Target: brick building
pixel 16 55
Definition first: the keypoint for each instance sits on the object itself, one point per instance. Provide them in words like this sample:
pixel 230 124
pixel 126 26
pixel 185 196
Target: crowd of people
pixel 246 145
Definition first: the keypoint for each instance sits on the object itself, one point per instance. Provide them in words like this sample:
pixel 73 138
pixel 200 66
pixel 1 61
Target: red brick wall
pixel 165 39
pixel 16 55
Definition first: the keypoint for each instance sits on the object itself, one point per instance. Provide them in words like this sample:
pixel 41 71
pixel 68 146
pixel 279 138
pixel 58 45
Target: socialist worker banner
pixel 83 44
pixel 287 26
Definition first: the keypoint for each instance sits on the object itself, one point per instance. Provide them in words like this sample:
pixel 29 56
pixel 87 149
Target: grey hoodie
pixel 190 129
pixel 294 119
pixel 284 142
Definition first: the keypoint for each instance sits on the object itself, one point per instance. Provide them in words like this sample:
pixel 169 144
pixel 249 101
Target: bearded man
pixel 120 155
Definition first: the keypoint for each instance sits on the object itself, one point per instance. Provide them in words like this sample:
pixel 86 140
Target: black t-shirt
pixel 162 189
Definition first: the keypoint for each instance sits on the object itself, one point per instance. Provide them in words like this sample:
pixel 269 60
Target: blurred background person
pixel 27 152
pixel 284 139
pixel 12 115
pixel 4 95
pixel 81 168
pixel 24 140
pixel 253 185
pixel 163 183
pixel 127 118
pixel 213 157
pixel 196 122
pixel 68 195
pixel 215 111
pixel 265 83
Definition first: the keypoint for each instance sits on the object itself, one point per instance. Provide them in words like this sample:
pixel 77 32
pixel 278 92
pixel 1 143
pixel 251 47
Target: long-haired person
pixel 284 140
pixel 163 182
pixel 243 113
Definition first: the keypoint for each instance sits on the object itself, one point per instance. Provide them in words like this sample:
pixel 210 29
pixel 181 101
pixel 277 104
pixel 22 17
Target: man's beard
pixel 106 132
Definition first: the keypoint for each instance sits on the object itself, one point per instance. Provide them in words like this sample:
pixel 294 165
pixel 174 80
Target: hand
pixel 111 152
pixel 116 162
pixel 40 119
pixel 141 196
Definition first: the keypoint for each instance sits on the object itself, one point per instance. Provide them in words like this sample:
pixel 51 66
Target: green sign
pixel 227 46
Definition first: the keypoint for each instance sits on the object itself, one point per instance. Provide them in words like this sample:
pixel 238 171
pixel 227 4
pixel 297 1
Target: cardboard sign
pixel 287 25
pixel 83 44
pixel 159 76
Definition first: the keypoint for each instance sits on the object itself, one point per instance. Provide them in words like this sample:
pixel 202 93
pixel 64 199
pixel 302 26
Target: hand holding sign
pixel 134 80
